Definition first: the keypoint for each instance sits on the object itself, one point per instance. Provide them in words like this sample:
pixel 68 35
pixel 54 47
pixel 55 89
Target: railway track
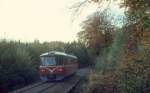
pixel 27 87
pixel 35 88
pixel 63 86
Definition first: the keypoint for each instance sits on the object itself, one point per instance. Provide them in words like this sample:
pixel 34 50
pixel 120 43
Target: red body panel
pixel 59 71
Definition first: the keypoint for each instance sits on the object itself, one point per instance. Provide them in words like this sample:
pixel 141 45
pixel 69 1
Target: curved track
pixel 39 89
pixel 28 87
pixel 35 88
pixel 63 86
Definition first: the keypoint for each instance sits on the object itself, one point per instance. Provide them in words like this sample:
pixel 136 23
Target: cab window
pixel 46 61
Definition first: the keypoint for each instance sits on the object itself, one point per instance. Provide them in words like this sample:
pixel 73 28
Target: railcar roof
pixel 57 53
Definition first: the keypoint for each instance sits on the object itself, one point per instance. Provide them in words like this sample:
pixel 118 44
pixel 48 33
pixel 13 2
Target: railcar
pixel 57 65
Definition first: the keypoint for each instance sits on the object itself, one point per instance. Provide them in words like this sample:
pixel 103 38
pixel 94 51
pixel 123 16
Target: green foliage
pixel 101 83
pixel 79 49
pixel 19 62
pixel 110 57
pixel 15 65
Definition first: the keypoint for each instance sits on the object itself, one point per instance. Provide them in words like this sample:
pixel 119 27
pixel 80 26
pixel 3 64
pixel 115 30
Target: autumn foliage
pixel 123 65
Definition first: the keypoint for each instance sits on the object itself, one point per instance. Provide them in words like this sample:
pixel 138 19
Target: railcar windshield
pixel 46 61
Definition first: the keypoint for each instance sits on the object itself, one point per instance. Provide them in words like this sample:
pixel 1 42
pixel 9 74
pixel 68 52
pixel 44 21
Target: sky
pixel 43 20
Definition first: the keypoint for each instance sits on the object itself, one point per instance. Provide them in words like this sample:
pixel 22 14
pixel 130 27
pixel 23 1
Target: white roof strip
pixel 57 53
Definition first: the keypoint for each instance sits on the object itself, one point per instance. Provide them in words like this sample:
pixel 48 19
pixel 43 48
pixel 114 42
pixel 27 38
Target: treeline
pixel 19 62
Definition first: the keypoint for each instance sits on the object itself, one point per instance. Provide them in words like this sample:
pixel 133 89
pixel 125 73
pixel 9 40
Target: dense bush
pixel 78 49
pixel 16 65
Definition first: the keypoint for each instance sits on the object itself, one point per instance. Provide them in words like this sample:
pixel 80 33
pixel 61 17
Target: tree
pixel 96 32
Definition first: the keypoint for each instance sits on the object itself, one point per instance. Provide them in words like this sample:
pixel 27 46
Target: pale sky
pixel 45 20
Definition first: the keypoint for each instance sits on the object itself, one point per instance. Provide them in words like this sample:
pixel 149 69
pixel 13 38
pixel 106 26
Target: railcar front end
pixel 57 66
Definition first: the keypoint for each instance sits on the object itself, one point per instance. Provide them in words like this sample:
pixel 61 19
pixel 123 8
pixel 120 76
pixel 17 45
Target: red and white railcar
pixel 57 65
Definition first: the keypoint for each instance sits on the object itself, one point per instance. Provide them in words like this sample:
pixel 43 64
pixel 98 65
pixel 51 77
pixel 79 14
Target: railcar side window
pixel 65 60
pixel 59 60
pixel 46 61
pixel 71 61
